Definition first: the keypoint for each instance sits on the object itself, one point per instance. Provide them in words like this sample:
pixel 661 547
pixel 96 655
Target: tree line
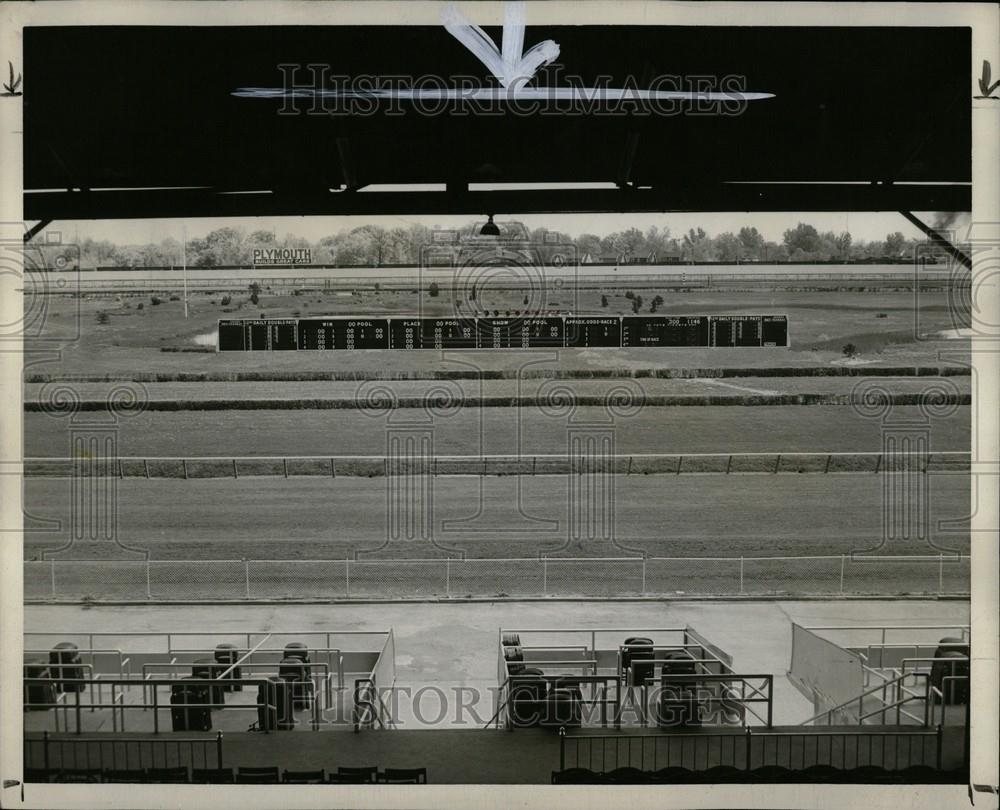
pixel 373 245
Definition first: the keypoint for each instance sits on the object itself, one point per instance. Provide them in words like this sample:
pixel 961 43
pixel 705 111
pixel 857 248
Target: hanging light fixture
pixel 490 228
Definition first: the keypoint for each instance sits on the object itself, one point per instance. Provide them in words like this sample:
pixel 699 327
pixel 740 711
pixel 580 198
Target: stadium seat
pixel 212 776
pixel 79 775
pixel 367 774
pixel 404 776
pixel 257 776
pixel 724 774
pixel 137 776
pixel 865 775
pixel 304 777
pixel 771 774
pixel 819 774
pixel 178 775
pixel 922 775
pixel 672 776
pixel 627 776
pixel 348 779
pixel 576 776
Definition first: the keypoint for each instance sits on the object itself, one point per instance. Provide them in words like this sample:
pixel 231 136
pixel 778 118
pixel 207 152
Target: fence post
pixel 940 573
pixel 53 565
pixel 447 577
pixel 145 467
pixel 218 749
pixel 246 575
pixel 149 592
pixel 545 576
pixel 347 574
pixel 643 576
pixel 236 473
pixel 843 561
pixel 741 575
pixel 749 736
pixel 184 465
pixel 45 749
pixel 284 466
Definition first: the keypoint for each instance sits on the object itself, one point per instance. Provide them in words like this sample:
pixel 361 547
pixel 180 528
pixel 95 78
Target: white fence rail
pixel 179 580
pixel 541 464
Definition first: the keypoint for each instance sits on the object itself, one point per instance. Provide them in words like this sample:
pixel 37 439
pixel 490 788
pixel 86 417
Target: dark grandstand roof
pixel 886 110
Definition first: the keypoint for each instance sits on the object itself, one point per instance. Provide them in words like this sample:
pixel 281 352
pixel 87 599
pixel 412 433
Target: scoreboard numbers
pixel 552 332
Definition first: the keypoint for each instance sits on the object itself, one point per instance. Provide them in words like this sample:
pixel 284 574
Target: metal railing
pixel 748 748
pixel 367 466
pixel 890 696
pixel 51 752
pixel 88 695
pixel 236 580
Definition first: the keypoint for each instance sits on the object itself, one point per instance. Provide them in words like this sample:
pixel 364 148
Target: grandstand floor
pixel 447 646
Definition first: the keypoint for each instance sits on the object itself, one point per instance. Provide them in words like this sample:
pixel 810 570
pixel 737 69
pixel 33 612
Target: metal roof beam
pixel 707 197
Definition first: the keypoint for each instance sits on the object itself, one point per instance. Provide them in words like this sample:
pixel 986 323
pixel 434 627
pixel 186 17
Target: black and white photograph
pixel 499 404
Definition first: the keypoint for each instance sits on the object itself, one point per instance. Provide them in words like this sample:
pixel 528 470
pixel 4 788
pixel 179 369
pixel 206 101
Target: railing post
pixel 749 736
pixel 562 748
pixel 45 749
pixel 156 712
pixel 741 575
pixel 236 473
pixel 246 576
pixel 218 749
pixel 940 573
pixel 447 577
pixel 53 566
pixel 643 576
pixel 145 467
pixel 347 574
pixel 149 591
pixel 545 576
pixel 843 562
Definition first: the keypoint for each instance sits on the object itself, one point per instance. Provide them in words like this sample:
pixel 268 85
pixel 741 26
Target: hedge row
pixel 582 400
pixel 509 374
